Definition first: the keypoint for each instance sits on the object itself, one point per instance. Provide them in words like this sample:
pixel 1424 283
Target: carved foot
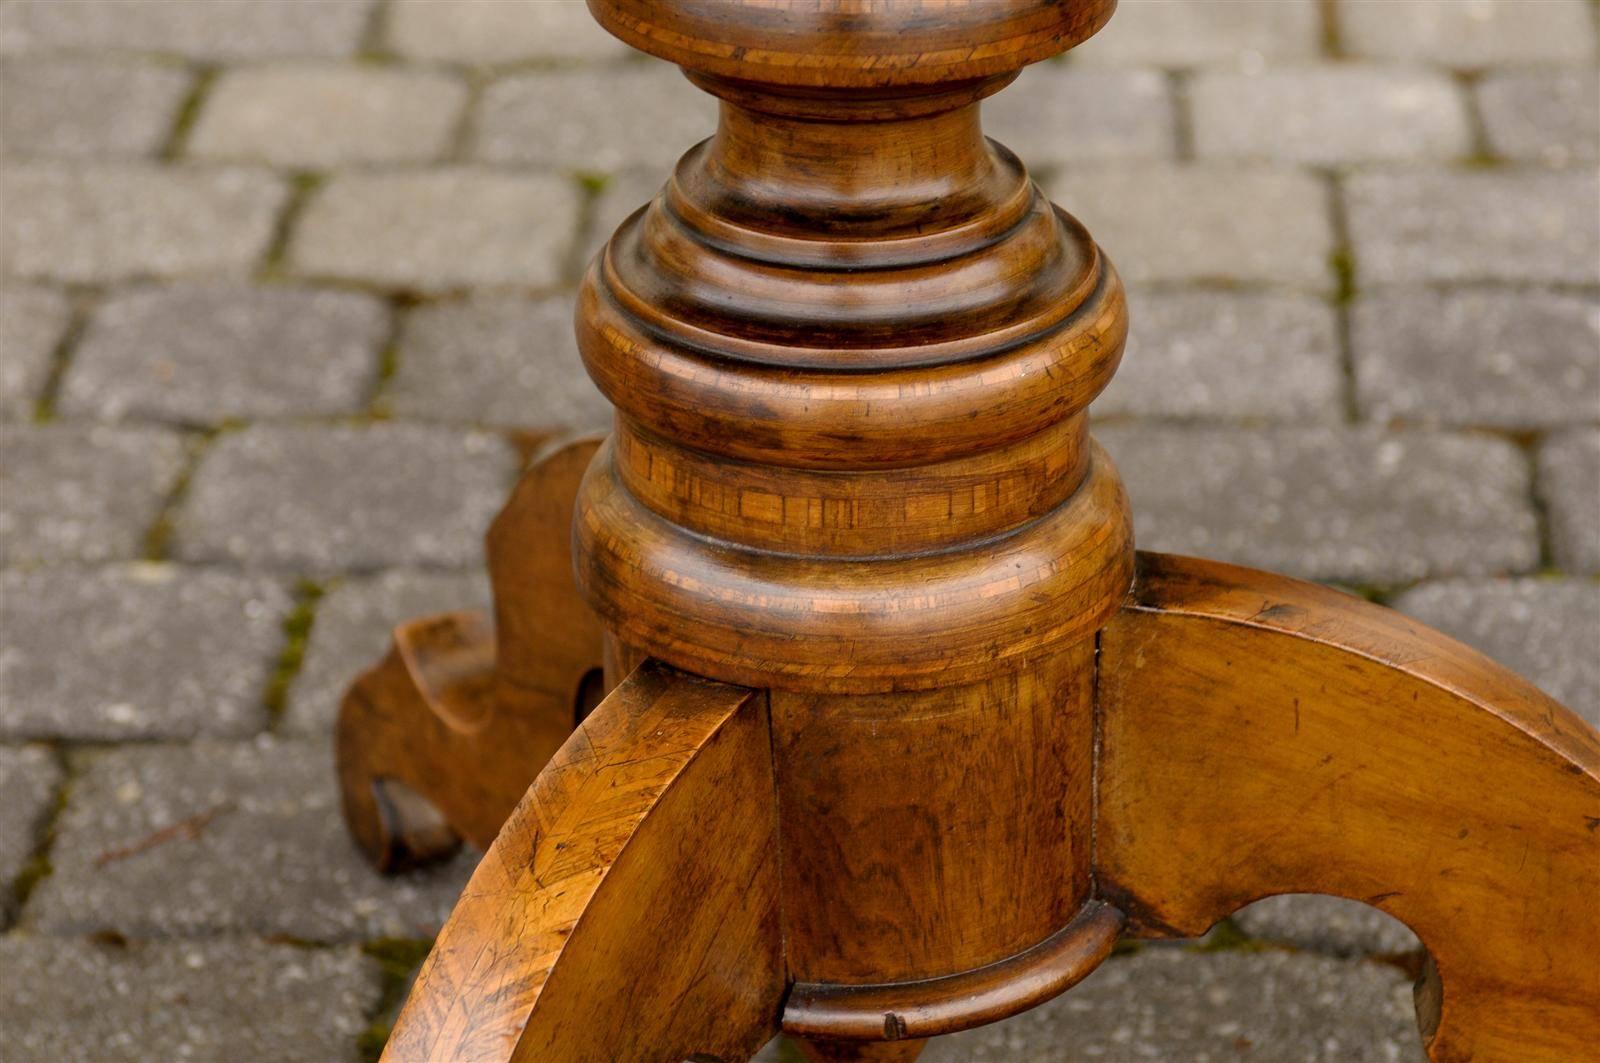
pixel 629 908
pixel 1262 735
pixel 401 726
pixel 439 741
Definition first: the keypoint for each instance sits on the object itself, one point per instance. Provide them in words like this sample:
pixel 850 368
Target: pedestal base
pixel 1257 735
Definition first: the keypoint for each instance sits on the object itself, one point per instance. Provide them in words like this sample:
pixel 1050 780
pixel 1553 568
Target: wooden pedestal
pixel 902 735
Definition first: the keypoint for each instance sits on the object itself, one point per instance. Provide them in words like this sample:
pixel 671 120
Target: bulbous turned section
pixel 893 622
pixel 849 293
pixel 843 276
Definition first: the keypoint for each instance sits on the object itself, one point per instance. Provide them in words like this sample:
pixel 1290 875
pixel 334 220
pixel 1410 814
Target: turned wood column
pixel 851 346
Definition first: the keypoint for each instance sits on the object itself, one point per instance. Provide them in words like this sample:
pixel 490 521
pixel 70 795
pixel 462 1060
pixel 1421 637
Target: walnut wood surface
pixel 918 1010
pixel 1261 735
pixel 443 737
pixel 629 908
pixel 901 622
pixel 545 635
pixel 851 346
pixel 963 811
pixel 855 43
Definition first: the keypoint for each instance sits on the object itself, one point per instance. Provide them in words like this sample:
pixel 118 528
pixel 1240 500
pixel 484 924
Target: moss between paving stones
pixel 38 867
pixel 296 635
pixel 1343 266
pixel 1227 936
pixel 188 113
pixel 397 959
pixel 158 537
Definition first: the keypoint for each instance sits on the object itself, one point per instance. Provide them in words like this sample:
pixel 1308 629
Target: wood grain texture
pixel 461 715
pixel 709 321
pixel 854 43
pixel 862 513
pixel 1261 735
pixel 852 346
pixel 937 832
pixel 838 1014
pixel 855 625
pixel 544 631
pixel 629 908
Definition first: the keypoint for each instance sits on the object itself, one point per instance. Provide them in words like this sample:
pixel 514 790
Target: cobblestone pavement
pixel 287 281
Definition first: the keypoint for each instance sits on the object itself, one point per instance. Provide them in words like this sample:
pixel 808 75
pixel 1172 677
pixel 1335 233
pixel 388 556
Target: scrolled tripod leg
pixel 1260 735
pixel 629 908
pixel 438 741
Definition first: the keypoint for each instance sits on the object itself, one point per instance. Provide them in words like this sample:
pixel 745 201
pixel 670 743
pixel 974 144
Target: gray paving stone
pixel 137 651
pixel 497 31
pixel 255 30
pixel 82 493
pixel 32 322
pixel 352 633
pixel 439 229
pixel 1193 223
pixel 1209 354
pixel 204 354
pixel 1547 630
pixel 1478 357
pixel 109 223
pixel 328 499
pixel 1569 483
pixel 1329 115
pixel 29 776
pixel 496 361
pixel 777 1050
pixel 621 195
pixel 314 116
pixel 1057 113
pixel 1451 226
pixel 1329 503
pixel 1168 1004
pixel 99 107
pixel 1182 33
pixel 93 1002
pixel 1552 116
pixel 1326 924
pixel 1480 33
pixel 596 119
pixel 272 858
